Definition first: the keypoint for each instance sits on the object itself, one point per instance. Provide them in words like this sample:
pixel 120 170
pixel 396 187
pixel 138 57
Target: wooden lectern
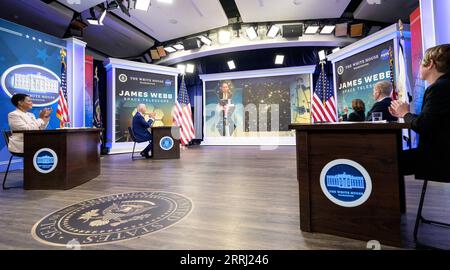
pixel 166 142
pixel 376 148
pixel 60 158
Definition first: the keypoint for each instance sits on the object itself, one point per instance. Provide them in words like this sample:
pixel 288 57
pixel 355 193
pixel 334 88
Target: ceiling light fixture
pixel 142 4
pixel 170 49
pixel 311 29
pixel 327 29
pixel 273 31
pixel 179 46
pixel 181 68
pixel 231 65
pixel 93 20
pixel 322 55
pixel 336 49
pixel 224 36
pixel 190 68
pixel 251 33
pixel 206 40
pixel 279 59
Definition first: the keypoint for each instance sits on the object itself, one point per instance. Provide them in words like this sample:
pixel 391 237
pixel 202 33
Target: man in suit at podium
pixel 382 94
pixel 20 119
pixel 141 128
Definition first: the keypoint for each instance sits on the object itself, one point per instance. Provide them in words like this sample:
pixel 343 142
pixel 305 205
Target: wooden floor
pixel 244 198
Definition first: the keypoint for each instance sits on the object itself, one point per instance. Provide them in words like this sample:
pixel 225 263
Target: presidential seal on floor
pixel 112 218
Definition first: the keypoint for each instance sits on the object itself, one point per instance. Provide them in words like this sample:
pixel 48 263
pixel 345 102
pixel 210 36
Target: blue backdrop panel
pixel 30 63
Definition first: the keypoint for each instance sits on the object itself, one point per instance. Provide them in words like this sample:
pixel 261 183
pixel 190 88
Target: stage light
pixel 336 49
pixel 112 6
pixel 231 64
pixel 322 55
pixel 170 49
pixel 181 68
pixel 224 36
pixel 161 51
pixel 279 59
pixel 123 8
pixel 205 40
pixel 251 33
pixel 312 29
pixel 155 55
pixel 179 46
pixel 93 20
pixel 356 30
pixel 327 29
pixel 273 31
pixel 190 68
pixel 142 4
pixel 341 30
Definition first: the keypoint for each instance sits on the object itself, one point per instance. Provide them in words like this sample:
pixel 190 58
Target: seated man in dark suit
pixel 141 128
pixel 381 93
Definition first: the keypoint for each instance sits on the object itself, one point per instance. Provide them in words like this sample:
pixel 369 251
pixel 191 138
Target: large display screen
pixel 356 75
pixel 256 106
pixel 156 91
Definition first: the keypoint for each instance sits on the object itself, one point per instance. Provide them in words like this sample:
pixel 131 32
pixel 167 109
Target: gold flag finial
pixel 400 25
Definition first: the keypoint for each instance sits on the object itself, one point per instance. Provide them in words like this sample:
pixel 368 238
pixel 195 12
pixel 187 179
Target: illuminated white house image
pixel 35 83
pixel 344 180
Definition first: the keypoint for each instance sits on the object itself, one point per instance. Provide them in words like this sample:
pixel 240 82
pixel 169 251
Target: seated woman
pixel 20 119
pixel 359 111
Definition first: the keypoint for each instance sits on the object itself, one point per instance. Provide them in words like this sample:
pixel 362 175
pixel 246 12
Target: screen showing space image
pixel 259 106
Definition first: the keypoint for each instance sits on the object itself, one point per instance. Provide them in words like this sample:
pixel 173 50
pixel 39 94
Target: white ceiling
pixel 287 10
pixel 80 5
pixel 182 18
pixel 387 11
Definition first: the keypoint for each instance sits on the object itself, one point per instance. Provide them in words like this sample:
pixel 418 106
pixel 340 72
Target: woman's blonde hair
pixel 440 56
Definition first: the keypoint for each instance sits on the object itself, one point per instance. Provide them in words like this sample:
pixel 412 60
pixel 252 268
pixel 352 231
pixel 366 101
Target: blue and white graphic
pixel 45 160
pixel 40 83
pixel 345 182
pixel 166 143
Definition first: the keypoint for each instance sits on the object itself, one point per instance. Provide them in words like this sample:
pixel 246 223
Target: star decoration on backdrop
pixel 42 54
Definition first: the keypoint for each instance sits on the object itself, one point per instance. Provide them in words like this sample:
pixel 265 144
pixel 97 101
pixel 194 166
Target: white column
pixel 434 16
pixel 76 81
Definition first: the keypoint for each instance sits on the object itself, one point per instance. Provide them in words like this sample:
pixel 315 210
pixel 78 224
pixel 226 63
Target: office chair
pixel 6 135
pixel 130 132
pixel 420 219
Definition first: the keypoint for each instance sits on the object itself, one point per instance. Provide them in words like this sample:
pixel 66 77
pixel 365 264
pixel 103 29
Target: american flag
pixel 62 113
pixel 182 115
pixel 323 103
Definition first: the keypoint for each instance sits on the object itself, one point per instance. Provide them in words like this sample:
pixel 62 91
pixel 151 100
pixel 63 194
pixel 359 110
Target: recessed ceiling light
pixel 231 64
pixel 206 40
pixel 170 49
pixel 181 68
pixel 312 29
pixel 142 4
pixel 279 59
pixel 327 29
pixel 273 31
pixel 224 36
pixel 179 47
pixel 251 33
pixel 190 68
pixel 322 55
